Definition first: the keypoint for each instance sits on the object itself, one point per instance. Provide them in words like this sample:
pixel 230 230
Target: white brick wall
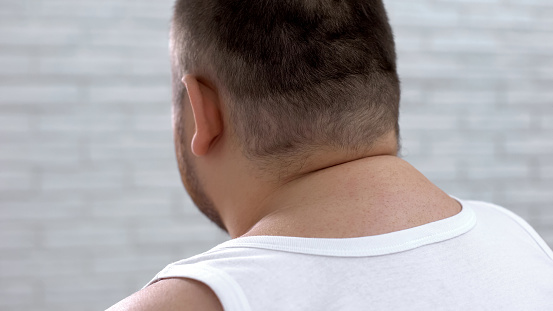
pixel 91 204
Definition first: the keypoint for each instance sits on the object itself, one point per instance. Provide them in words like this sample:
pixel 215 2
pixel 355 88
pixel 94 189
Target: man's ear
pixel 205 108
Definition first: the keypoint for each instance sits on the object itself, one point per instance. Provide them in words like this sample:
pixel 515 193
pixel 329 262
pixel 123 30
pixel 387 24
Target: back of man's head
pixel 296 75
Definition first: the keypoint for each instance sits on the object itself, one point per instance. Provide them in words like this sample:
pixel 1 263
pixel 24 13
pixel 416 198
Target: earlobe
pixel 207 117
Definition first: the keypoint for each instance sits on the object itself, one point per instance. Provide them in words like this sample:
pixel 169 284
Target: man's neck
pixel 367 196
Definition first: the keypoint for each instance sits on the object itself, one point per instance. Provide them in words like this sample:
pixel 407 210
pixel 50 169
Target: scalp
pixel 297 74
pixel 294 44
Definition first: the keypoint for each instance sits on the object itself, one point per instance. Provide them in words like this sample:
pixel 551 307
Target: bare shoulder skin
pixel 171 294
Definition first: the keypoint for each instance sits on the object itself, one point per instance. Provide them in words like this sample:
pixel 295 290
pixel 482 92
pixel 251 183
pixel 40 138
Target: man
pixel 286 131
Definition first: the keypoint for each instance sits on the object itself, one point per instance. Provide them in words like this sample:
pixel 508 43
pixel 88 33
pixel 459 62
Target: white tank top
pixel 484 258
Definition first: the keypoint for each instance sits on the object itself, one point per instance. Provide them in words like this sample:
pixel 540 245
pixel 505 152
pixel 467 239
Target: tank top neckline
pixel 374 245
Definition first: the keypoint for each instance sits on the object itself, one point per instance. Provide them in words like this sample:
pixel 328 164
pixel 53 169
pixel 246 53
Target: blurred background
pixel 91 204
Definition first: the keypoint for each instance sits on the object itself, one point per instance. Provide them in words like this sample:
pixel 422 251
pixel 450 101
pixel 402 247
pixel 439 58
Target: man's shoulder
pixel 171 294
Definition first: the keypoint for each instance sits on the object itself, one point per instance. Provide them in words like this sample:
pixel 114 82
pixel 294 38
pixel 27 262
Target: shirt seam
pixel 376 251
pixel 222 284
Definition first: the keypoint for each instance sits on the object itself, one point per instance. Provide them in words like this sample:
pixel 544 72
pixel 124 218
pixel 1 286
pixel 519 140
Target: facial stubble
pixel 192 182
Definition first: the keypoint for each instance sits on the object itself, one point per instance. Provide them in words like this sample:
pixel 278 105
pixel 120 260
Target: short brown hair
pixel 297 74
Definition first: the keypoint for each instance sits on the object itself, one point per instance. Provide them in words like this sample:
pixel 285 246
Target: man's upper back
pixel 481 258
